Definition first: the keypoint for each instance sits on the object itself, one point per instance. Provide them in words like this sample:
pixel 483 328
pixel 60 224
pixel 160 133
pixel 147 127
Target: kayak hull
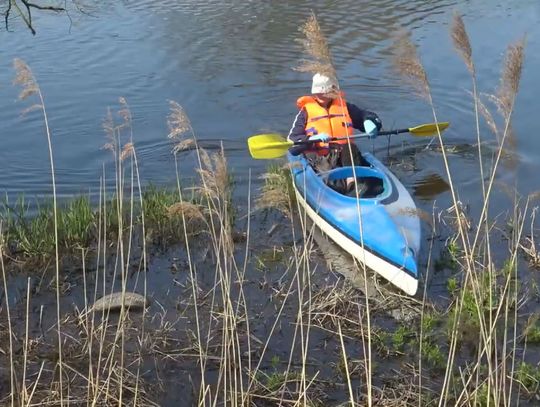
pixel 382 232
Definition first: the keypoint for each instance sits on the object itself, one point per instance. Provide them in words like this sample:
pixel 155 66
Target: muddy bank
pixel 263 310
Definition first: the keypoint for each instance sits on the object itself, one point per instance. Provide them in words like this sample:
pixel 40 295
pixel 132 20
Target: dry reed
pixel 488 117
pixel 12 385
pixel 127 151
pixel 316 47
pixel 510 78
pixel 462 42
pixel 406 62
pixel 189 210
pixel 276 192
pixel 30 87
pixel 179 125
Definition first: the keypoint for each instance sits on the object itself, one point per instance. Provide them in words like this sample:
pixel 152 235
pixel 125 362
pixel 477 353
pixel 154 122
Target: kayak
pixel 381 230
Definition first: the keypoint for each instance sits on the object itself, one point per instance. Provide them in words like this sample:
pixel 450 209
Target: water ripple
pixel 230 65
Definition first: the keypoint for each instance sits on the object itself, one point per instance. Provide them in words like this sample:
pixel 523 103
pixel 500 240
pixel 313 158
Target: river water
pixel 229 64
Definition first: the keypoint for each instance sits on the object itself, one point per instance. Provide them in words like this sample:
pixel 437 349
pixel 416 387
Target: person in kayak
pixel 325 115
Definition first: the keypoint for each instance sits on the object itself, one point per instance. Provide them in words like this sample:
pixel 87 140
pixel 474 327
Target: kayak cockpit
pixel 373 185
pixel 380 232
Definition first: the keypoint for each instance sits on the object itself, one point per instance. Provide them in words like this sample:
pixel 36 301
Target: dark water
pixel 229 64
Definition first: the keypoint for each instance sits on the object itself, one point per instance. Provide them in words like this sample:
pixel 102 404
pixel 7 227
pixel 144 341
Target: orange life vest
pixel 334 121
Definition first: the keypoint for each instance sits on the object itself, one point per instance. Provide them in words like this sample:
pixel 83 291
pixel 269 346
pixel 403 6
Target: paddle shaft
pixel 363 135
pixel 268 146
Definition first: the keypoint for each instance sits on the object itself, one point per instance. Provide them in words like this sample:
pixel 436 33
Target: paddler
pixel 325 115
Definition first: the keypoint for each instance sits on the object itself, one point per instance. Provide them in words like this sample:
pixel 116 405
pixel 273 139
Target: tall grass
pixel 85 341
pixel 8 313
pixel 489 295
pixel 321 61
pixel 30 87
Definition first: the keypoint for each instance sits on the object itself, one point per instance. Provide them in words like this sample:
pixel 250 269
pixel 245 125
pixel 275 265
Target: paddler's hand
pixel 370 128
pixel 320 138
pixel 298 149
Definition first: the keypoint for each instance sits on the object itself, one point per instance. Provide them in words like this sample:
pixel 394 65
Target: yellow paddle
pixel 273 145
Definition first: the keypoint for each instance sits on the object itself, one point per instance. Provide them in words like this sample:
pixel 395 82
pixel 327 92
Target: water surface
pixel 229 64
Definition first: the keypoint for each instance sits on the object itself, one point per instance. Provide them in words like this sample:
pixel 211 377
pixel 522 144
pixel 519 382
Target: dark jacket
pixel 297 131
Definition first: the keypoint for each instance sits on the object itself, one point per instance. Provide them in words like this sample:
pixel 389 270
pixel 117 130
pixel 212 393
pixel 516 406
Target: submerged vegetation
pixel 247 315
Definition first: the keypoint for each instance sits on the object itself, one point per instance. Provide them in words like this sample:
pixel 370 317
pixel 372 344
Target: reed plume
pixel 316 47
pixel 214 174
pixel 121 147
pixel 406 62
pixel 462 42
pixel 127 151
pixel 179 124
pixel 24 78
pixel 510 78
pixel 125 112
pixel 110 131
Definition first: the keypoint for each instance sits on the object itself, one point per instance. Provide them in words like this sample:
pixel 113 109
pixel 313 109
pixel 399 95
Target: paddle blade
pixel 268 146
pixel 428 130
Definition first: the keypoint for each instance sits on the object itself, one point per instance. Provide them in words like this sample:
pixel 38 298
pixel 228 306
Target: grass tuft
pixel 278 190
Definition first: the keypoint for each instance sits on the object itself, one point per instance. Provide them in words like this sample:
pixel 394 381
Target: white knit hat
pixel 323 84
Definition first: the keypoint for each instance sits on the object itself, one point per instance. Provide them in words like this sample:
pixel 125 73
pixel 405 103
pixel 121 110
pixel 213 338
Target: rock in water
pixel 113 302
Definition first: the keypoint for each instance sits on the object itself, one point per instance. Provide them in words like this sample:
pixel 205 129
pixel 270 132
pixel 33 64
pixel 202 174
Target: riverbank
pixel 246 306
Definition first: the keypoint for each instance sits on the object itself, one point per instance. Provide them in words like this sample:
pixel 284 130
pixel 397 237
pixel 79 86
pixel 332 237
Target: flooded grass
pixel 29 227
pixel 286 340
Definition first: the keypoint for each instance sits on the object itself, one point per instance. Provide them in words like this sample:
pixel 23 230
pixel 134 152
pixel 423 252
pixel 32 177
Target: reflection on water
pixel 429 187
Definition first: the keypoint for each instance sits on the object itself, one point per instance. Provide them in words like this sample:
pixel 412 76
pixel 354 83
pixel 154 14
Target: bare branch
pixel 27 15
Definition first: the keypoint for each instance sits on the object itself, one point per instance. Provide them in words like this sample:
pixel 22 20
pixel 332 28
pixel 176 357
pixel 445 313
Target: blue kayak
pixel 381 231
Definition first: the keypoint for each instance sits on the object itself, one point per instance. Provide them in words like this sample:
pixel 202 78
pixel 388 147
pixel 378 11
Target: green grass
pixel 478 300
pixel 483 397
pixel 276 380
pixel 161 227
pixel 268 258
pixel 401 337
pixel 531 332
pixel 28 226
pixel 433 355
pixel 448 258
pixel 77 223
pixel 30 236
pixel 528 376
pixel 429 322
pixel 452 285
